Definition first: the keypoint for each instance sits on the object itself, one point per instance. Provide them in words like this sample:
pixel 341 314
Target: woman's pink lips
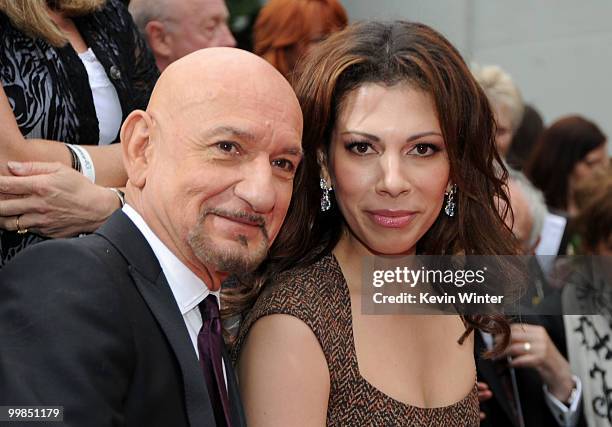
pixel 391 219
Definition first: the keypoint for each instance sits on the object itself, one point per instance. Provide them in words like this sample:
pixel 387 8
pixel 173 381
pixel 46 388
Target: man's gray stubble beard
pixel 234 261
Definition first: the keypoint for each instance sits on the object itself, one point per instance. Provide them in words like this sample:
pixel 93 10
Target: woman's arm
pixel 13 146
pixel 51 198
pixel 283 375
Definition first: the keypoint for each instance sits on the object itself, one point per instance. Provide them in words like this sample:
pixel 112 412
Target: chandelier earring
pixel 325 200
pixel 450 205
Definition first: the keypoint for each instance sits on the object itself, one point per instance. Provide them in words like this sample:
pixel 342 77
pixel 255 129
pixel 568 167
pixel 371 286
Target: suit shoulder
pixel 62 285
pixel 89 261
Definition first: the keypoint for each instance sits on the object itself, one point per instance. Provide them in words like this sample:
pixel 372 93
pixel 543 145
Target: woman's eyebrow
pixel 376 139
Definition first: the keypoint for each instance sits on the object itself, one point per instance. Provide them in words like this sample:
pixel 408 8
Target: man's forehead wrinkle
pixel 221 65
pixel 213 100
pixel 162 117
pixel 181 105
pixel 217 82
pixel 231 131
pixel 158 117
pixel 292 144
pixel 282 108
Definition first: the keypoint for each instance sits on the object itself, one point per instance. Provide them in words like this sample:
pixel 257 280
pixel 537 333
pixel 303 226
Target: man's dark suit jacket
pixel 92 325
pixel 535 410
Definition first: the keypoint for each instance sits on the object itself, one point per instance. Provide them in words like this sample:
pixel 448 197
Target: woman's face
pixel 594 160
pixel 389 167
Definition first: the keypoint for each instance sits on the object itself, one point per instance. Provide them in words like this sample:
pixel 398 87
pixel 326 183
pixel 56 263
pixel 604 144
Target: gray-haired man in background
pixel 175 28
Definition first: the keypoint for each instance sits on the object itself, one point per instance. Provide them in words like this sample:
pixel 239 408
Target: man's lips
pixel 391 218
pixel 242 220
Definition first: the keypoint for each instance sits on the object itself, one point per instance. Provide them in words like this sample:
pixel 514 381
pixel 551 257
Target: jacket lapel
pixel 155 290
pixel 160 300
pixel 487 373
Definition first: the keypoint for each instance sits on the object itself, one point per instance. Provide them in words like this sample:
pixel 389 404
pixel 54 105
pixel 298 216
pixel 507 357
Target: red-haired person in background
pixel 285 30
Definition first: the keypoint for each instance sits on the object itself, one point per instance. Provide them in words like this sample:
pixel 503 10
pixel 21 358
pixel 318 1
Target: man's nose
pixel 256 186
pixel 227 38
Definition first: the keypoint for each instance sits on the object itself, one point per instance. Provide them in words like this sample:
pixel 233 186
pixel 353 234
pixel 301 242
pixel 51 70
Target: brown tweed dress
pixel 319 296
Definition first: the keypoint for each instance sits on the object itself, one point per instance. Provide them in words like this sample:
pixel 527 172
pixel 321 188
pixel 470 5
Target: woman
pixel 567 154
pixel 286 30
pixel 525 138
pixel 585 300
pixel 71 71
pixel 405 141
pixel 593 224
pixel 506 101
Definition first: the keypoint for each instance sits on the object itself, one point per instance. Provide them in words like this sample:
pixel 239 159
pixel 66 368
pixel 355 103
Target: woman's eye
pixel 360 147
pixel 424 150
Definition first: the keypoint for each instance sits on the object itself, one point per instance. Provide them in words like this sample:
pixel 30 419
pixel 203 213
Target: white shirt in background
pixel 105 98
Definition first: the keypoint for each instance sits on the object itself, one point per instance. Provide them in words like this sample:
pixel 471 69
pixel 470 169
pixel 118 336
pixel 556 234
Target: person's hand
pixel 531 347
pixel 52 200
pixel 484 394
pixel 4 171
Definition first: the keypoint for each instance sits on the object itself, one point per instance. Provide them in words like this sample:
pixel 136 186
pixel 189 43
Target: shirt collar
pixel 188 289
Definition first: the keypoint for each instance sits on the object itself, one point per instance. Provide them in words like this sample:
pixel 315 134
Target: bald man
pixel 175 28
pixel 121 327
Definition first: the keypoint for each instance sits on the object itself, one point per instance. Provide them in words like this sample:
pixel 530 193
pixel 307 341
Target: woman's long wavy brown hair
pixel 388 54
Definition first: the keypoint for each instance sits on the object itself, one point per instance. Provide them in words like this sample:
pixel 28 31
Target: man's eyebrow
pixel 377 139
pixel 231 132
pixel 293 151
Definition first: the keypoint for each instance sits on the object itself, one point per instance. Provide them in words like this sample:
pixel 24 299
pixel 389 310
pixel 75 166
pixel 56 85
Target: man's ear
pixel 136 146
pixel 323 164
pixel 158 39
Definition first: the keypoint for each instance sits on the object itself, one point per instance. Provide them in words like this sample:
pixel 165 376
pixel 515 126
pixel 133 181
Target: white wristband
pixel 87 164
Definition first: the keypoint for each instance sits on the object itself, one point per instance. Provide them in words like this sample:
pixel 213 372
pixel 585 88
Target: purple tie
pixel 210 344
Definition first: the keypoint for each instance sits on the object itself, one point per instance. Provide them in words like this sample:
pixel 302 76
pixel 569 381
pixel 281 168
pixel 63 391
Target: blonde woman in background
pixel 506 102
pixel 71 71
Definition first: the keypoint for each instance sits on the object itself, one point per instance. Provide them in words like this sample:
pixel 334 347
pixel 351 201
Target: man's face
pixel 198 24
pixel 522 221
pixel 221 175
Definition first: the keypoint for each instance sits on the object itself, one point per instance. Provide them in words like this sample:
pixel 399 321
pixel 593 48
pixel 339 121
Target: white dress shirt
pixel 188 289
pixel 105 98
